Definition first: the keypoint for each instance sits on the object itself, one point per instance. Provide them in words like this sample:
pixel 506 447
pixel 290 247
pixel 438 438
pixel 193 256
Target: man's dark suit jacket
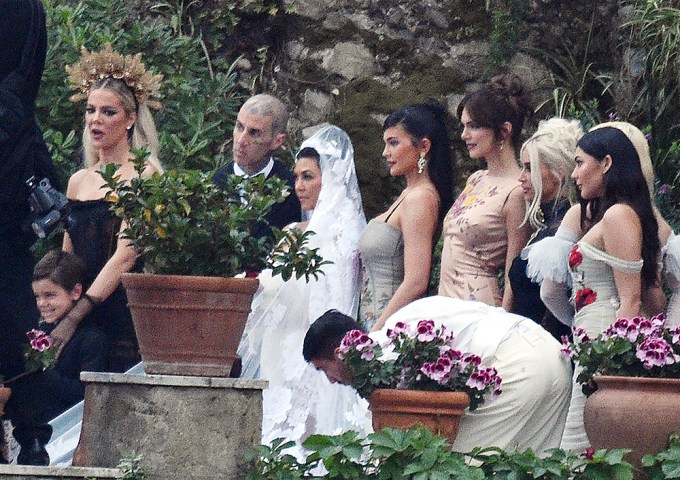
pixel 281 214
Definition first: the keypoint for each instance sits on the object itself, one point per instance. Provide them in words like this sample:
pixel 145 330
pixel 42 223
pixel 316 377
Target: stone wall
pixel 351 62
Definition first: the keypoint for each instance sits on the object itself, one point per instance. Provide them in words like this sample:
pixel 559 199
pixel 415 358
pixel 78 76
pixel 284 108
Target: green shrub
pixel 417 454
pixel 199 100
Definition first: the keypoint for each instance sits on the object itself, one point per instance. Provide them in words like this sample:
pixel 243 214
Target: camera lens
pixel 43 226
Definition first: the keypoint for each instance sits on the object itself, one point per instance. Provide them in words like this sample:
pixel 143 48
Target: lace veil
pixel 299 400
pixel 337 222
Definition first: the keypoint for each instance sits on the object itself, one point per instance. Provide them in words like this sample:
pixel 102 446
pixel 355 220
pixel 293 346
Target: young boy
pixel 58 284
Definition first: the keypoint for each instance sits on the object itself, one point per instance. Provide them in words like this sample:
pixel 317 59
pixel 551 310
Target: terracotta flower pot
pixel 633 412
pixel 438 411
pixel 188 325
pixel 5 393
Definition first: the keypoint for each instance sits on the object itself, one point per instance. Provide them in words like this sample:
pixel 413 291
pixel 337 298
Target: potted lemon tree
pixel 188 307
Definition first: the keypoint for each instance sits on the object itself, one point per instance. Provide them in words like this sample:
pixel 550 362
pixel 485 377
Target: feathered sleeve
pixel 548 258
pixel 548 265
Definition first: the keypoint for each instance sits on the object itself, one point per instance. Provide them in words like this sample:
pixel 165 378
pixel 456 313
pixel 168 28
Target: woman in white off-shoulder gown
pixel 606 249
pixel 299 400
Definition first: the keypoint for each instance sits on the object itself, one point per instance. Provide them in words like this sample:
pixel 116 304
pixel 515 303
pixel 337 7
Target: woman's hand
pixel 65 329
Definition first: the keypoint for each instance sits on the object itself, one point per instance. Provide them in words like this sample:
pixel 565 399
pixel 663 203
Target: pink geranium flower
pixel 639 346
pixel 425 330
pixel 40 344
pixel 655 352
pixel 423 357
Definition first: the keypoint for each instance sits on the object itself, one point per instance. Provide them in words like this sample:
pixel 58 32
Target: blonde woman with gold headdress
pixel 118 92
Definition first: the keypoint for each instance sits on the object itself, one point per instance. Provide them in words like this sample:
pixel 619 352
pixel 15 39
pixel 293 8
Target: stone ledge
pixel 25 472
pixel 174 380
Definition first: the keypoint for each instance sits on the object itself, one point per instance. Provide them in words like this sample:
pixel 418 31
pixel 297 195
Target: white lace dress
pixel 300 401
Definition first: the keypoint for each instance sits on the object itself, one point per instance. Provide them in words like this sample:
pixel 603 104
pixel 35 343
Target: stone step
pixel 22 472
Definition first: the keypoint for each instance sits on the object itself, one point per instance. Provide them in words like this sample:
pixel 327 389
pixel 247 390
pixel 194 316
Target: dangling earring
pixel 421 164
pixel 502 145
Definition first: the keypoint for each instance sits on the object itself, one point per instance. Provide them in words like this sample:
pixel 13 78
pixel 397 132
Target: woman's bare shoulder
pixel 620 212
pixel 422 194
pixel 77 180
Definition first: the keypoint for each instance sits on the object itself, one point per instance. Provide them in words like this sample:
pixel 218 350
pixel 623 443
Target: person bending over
pixel 532 409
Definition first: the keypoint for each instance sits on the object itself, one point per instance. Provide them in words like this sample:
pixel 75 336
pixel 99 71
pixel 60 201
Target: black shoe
pixel 34 453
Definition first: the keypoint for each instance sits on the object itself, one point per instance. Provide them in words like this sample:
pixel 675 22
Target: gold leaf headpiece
pixel 96 66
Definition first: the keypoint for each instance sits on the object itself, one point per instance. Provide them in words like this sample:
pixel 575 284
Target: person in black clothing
pixel 259 130
pixel 23 154
pixel 58 284
pixel 547 160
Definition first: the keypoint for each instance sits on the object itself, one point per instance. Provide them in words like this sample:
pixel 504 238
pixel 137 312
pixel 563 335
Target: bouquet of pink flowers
pixel 417 358
pixel 637 347
pixel 39 354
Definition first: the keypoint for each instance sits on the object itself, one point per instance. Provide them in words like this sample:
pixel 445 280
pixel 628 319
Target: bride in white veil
pixel 299 400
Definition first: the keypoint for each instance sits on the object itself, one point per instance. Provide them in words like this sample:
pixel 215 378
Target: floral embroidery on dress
pixel 470 197
pixel 371 308
pixel 583 296
pixel 575 257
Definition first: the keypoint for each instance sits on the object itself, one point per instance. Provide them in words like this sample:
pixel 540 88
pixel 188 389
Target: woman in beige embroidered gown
pixel 482 233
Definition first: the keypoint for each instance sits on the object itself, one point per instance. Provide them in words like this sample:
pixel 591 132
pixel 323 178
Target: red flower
pixel 575 257
pixel 589 453
pixel 41 344
pixel 584 297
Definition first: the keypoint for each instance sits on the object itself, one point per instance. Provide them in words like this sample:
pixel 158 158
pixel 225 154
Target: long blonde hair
pixel 143 134
pixel 553 144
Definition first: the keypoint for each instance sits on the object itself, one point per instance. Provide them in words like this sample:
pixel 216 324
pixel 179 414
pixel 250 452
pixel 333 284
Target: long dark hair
pixel 430 120
pixel 501 100
pixel 623 183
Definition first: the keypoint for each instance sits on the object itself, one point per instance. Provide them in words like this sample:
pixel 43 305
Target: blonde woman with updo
pixel 119 91
pixel 547 160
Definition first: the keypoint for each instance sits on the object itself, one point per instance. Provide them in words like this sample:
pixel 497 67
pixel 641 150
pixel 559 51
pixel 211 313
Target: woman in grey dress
pixel 396 246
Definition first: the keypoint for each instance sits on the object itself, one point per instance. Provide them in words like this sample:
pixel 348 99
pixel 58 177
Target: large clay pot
pixel 438 411
pixel 633 412
pixel 188 325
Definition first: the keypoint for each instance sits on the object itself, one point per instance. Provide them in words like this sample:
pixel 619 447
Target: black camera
pixel 48 207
